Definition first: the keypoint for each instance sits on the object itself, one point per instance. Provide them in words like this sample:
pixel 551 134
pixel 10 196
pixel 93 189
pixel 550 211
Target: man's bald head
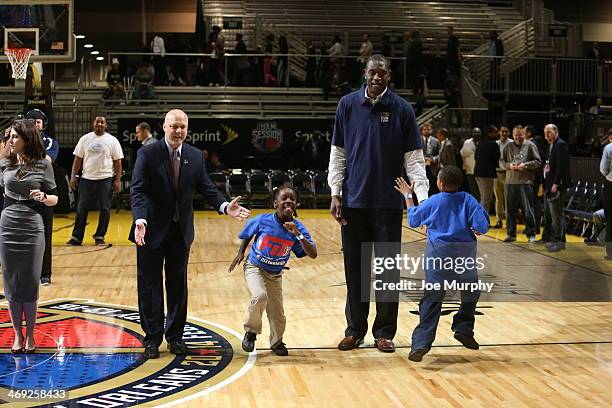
pixel 175 113
pixel 175 127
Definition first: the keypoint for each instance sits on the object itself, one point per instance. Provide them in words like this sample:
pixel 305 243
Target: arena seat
pixel 302 181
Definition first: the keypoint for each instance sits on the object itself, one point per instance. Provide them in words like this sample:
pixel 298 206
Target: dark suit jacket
pixel 487 158
pixel 154 198
pixel 447 156
pixel 559 163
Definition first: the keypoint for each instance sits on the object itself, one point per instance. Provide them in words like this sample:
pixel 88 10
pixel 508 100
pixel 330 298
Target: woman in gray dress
pixel 29 185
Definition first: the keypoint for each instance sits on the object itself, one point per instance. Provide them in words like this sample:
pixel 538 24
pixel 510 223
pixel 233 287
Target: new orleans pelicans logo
pixel 90 355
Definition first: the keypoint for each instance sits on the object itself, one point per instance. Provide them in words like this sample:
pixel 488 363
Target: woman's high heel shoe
pixel 28 350
pixel 19 350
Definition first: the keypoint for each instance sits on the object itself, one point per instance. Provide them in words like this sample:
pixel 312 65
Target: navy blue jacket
pixel 154 198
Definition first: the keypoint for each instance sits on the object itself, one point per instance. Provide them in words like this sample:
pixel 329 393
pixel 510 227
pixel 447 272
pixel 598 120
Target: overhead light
pixel 79 36
pixel 88 46
pixel 94 52
pixel 100 58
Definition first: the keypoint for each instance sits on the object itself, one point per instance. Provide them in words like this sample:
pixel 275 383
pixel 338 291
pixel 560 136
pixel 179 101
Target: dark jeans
pixel 519 196
pixel 607 200
pixel 90 193
pixel 172 256
pixel 364 227
pixel 555 220
pixel 430 307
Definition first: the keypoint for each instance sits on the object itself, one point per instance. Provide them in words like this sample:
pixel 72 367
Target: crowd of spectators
pixel 523 176
pixel 328 65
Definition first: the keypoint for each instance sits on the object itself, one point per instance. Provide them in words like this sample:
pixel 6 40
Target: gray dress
pixel 22 237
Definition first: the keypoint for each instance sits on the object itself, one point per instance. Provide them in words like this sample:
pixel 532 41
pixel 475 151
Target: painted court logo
pixel 90 355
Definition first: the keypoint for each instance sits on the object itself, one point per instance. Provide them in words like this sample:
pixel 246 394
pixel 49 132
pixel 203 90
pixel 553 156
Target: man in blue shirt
pixel 51 145
pixel 605 166
pixel 52 150
pixel 375 138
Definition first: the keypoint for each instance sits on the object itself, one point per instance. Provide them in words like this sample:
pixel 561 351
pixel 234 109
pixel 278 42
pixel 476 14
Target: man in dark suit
pixel 165 177
pixel 556 180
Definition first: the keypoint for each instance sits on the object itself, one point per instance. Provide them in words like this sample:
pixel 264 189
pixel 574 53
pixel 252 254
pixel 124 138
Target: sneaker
pixel 417 354
pixel 100 242
pixel 44 281
pixel 509 239
pixel 498 225
pixel 248 343
pixel 279 349
pixel 531 240
pixel 73 242
pixel 467 341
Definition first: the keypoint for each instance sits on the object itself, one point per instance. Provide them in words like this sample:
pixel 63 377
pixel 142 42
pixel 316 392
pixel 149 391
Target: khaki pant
pixel 486 186
pixel 500 199
pixel 266 294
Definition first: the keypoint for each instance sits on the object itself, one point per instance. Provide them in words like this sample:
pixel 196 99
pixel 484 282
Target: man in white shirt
pixel 468 154
pixel 99 155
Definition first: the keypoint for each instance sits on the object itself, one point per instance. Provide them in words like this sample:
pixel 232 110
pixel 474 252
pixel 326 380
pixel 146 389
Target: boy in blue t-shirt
pixel 453 219
pixel 276 236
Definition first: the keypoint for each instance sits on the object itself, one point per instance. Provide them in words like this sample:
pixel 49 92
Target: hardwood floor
pixel 533 353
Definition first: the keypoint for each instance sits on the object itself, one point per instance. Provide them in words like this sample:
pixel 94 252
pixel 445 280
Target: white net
pixel 19 58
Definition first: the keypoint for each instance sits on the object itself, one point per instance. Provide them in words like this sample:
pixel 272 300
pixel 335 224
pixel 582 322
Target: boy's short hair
pixel 451 176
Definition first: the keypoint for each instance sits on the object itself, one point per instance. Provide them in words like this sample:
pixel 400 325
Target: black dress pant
pixel 382 230
pixel 607 201
pixel 173 256
pixel 47 217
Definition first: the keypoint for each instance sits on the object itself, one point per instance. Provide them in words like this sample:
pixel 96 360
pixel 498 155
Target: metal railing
pixel 519 42
pixel 538 76
pixel 321 66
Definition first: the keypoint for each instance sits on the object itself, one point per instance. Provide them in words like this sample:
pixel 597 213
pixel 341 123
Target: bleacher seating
pixel 319 20
pixel 582 200
pixel 256 187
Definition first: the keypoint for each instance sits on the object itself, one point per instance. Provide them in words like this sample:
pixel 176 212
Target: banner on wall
pixel 249 143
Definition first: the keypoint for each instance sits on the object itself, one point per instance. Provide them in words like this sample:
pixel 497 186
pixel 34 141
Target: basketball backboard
pixel 46 26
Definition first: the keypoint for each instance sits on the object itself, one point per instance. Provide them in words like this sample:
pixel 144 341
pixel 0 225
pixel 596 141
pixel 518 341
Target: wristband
pixel 408 196
pixel 300 237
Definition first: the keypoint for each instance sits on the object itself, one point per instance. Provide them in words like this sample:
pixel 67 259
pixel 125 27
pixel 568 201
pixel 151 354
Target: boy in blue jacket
pixel 453 219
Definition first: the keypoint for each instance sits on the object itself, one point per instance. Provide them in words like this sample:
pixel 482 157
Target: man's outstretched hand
pixel 235 210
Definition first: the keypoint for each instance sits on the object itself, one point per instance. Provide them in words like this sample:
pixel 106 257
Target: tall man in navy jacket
pixel 375 138
pixel 165 177
pixel 556 180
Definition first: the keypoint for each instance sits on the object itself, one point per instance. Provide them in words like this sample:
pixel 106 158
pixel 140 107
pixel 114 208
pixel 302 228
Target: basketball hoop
pixel 19 58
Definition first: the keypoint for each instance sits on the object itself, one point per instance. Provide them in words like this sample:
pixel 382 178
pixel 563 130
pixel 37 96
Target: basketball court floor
pixel 536 350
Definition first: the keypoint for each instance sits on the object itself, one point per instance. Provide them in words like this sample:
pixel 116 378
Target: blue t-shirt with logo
pixel 273 243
